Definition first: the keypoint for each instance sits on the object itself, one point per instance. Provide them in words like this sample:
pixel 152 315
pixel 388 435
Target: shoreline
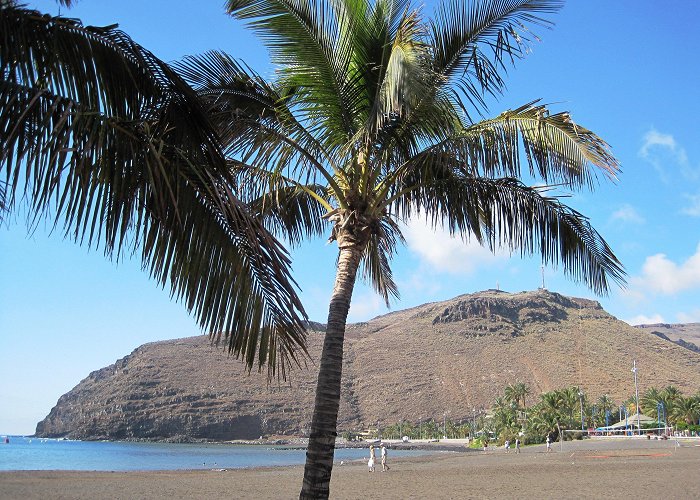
pixel 584 469
pixel 295 443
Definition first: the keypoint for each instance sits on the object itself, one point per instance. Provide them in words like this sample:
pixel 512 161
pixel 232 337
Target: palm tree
pixel 370 121
pixel 517 393
pixel 103 139
pixel 650 400
pixel 605 404
pixel 669 396
pixel 569 403
pixel 671 393
pixel 686 409
pixel 504 413
pixel 548 414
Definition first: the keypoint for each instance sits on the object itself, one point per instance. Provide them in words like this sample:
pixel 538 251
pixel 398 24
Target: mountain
pixel 684 334
pixel 451 357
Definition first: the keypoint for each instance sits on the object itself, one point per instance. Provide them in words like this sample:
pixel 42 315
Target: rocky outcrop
pixel 684 334
pixel 451 357
pixel 687 345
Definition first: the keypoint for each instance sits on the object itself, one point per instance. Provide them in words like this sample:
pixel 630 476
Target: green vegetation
pixel 555 411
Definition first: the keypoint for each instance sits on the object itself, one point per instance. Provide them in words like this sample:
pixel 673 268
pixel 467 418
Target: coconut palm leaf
pixel 507 212
pixel 556 149
pixel 287 208
pixel 472 41
pixel 254 119
pixel 105 139
pixel 304 39
pixel 376 261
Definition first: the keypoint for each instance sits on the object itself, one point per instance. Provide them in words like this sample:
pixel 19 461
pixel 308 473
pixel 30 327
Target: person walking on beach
pixel 385 467
pixel 549 443
pixel 507 446
pixel 517 445
pixel 486 443
pixel 370 462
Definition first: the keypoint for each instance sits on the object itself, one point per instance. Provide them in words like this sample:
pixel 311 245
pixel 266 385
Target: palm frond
pixel 305 41
pixel 103 137
pixel 254 120
pixel 473 41
pixel 376 261
pixel 552 146
pixel 286 208
pixel 405 79
pixel 506 212
pixel 556 148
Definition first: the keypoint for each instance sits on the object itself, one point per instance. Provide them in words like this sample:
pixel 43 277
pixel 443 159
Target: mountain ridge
pixel 447 358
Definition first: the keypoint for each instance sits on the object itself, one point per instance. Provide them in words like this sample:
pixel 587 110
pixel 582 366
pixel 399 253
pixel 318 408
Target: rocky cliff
pixel 684 334
pixel 441 358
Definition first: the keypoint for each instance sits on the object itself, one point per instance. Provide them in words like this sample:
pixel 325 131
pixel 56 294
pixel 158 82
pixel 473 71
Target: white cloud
pixel 646 320
pixel 421 282
pixel 691 317
pixel 694 207
pixel 365 306
pixel 662 275
pixel 662 151
pixel 443 252
pixel 627 213
pixel 654 139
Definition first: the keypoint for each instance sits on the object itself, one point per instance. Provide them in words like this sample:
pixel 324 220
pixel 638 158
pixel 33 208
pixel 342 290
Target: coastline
pixel 583 469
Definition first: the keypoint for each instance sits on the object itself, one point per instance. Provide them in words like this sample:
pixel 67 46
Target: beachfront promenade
pixel 593 468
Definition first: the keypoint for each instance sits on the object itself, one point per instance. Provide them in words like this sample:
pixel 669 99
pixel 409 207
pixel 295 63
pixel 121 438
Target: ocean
pixel 24 453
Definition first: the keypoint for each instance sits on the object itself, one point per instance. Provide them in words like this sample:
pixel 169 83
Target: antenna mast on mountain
pixel 543 287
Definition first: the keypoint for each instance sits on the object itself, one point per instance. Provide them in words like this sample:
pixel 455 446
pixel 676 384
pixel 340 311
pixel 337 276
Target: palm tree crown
pixel 366 122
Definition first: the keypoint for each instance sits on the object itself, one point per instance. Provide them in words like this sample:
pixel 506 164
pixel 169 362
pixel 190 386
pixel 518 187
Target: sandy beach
pixel 583 469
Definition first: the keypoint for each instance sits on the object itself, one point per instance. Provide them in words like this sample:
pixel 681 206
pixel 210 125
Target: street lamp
pixel 661 414
pixel 636 395
pixel 580 399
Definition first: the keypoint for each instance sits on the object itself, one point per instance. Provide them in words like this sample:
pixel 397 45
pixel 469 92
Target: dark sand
pixel 587 469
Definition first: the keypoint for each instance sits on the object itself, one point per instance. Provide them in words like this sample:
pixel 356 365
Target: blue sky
pixel 625 69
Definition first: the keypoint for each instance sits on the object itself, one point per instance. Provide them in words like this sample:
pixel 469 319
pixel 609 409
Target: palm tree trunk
pixel 319 454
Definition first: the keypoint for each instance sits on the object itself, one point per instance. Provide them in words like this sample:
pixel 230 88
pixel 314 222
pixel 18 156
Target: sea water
pixel 24 453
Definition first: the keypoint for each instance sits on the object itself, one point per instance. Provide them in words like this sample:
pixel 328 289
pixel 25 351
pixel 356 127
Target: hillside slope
pixel 684 334
pixel 441 358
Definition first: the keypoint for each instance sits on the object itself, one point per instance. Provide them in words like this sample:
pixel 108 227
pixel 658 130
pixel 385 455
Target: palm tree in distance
pixel 517 393
pixel 649 401
pixel 103 139
pixel 371 120
pixel 687 410
pixel 605 406
pixel 549 414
